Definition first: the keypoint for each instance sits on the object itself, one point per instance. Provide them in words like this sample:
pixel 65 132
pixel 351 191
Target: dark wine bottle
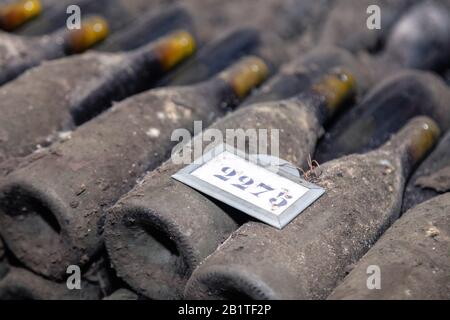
pixel 52 209
pixel 411 259
pixel 18 54
pixel 119 13
pixel 21 284
pixel 384 110
pixel 419 41
pixel 308 258
pixel 431 178
pixel 148 27
pixel 159 232
pixel 65 93
pixel 301 73
pixel 222 52
pixel 17 13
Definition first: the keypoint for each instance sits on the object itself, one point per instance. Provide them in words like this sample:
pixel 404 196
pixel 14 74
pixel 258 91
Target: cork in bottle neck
pixel 93 30
pixel 18 13
pixel 335 88
pixel 414 141
pixel 245 75
pixel 174 48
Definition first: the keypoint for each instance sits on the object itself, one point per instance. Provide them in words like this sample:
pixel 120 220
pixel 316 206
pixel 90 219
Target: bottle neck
pixel 144 59
pixel 412 143
pixel 92 31
pixel 329 94
pixel 18 13
pixel 219 94
pixel 157 58
pixel 315 102
pixel 231 86
pixel 226 90
pixel 244 76
pixel 172 49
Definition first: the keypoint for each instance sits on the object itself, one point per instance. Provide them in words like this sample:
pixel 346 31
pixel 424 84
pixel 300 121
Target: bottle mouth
pixel 18 13
pixel 245 75
pixel 337 87
pixel 174 48
pixel 32 229
pixel 148 254
pixel 229 282
pixel 93 30
pixel 424 134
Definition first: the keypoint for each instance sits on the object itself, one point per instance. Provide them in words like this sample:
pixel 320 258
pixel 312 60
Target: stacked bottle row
pixel 91 168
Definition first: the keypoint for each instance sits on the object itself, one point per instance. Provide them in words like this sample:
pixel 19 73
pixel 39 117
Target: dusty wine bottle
pixel 52 209
pixel 18 54
pixel 21 284
pixel 57 13
pixel 301 73
pixel 348 26
pixel 17 13
pixel 310 255
pixel 148 27
pixel 154 245
pixel 384 110
pixel 65 93
pixel 411 258
pixel 431 178
pixel 419 40
pixel 222 52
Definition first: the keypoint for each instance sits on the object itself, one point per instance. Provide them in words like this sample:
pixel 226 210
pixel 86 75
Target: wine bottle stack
pixel 90 143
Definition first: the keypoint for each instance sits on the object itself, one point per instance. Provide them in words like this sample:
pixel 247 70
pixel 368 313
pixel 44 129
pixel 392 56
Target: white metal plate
pixel 274 197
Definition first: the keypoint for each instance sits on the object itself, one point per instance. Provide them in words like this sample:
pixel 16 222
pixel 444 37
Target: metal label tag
pixel 274 195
